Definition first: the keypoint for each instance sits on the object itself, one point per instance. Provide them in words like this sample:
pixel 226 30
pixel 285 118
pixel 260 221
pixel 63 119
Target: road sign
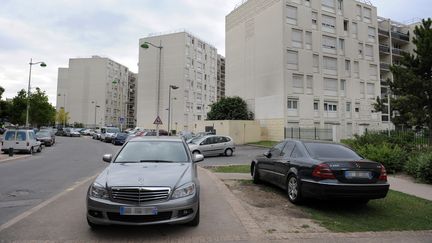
pixel 158 121
pixel 121 119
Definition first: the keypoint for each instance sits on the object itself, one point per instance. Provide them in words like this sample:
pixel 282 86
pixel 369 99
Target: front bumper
pixel 169 212
pixel 334 190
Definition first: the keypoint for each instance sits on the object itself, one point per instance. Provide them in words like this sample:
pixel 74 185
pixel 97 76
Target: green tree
pixel 412 83
pixel 5 107
pixel 62 117
pixel 230 108
pixel 41 111
pixel 18 108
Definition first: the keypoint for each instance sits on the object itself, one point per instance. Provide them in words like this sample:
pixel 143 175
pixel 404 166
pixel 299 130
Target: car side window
pixel 206 141
pixel 21 136
pixel 9 136
pixel 288 149
pixel 31 135
pixel 297 153
pixel 277 149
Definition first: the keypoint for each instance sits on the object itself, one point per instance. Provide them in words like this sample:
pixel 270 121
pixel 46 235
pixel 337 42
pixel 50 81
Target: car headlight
pixel 184 191
pixel 98 191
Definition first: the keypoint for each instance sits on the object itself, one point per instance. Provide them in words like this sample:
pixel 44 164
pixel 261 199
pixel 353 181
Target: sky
pixel 55 30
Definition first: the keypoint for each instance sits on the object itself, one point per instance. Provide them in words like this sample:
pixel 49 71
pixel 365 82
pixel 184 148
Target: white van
pixel 21 141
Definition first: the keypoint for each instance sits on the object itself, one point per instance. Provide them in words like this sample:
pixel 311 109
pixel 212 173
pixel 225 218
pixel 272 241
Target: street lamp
pixel 42 64
pixel 169 105
pixel 147 45
pixel 96 106
pixel 64 108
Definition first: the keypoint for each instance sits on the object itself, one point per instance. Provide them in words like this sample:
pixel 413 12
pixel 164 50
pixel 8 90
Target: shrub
pixel 420 166
pixel 392 157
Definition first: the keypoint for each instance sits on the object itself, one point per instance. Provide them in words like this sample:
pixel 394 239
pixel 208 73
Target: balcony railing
pixel 383 32
pixel 384 48
pixel 384 66
pixel 400 36
pixel 398 51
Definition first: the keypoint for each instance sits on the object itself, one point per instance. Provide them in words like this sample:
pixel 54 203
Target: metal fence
pixel 419 137
pixel 309 133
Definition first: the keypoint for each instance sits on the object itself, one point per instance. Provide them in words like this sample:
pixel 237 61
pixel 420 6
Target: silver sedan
pixel 212 145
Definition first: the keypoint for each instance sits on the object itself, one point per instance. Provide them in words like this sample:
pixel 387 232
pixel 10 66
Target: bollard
pixel 11 152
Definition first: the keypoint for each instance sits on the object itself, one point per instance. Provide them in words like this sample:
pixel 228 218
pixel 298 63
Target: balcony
pixel 383 32
pixel 384 49
pixel 400 36
pixel 397 51
pixel 384 66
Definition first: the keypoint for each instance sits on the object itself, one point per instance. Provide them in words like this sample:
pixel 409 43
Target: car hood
pixel 147 174
pixel 43 137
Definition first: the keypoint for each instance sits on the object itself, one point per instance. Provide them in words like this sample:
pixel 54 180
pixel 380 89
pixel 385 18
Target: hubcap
pixel 292 188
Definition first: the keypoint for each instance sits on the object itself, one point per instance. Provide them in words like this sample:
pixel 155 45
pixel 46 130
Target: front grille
pixel 139 194
pixel 139 218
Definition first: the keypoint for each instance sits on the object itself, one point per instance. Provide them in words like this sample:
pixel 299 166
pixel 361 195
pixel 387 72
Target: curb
pixel 14 158
pixel 257 146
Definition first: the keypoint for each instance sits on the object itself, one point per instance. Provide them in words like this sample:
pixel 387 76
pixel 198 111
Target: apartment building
pixel 186 62
pixel 302 63
pixel 395 39
pixel 220 77
pixel 131 111
pixel 95 91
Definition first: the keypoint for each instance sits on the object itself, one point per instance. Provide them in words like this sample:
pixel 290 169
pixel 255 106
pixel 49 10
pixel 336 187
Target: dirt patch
pixel 270 208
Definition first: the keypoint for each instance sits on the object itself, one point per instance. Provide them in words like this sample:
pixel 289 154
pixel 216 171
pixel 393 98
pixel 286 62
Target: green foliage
pixel 420 166
pixel 232 169
pixel 267 144
pixel 392 157
pixel 404 140
pixel 230 108
pixel 18 108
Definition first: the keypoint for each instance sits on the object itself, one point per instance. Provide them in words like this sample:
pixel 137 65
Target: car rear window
pixel 331 151
pixel 153 151
pixel 9 136
pixel 21 136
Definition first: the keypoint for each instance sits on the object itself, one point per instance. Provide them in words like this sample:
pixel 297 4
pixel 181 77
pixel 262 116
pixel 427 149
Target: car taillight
pixel 383 174
pixel 323 171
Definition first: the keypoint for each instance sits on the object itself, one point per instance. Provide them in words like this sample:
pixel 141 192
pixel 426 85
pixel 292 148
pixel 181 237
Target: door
pixel 219 145
pixel 266 165
pixel 21 141
pixel 283 163
pixel 9 140
pixel 206 146
pixel 32 139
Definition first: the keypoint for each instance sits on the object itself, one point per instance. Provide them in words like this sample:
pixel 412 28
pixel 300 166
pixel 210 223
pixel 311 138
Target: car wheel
pixel 93 226
pixel 228 152
pixel 31 151
pixel 195 221
pixel 294 190
pixel 255 175
pixel 39 149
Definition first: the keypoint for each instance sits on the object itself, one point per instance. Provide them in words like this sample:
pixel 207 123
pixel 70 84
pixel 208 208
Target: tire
pixel 196 220
pixel 31 151
pixel 255 175
pixel 39 149
pixel 93 226
pixel 228 152
pixel 294 189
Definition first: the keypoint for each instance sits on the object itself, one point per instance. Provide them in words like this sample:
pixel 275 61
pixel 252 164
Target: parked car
pixel 325 170
pixel 51 131
pixel 60 132
pixel 212 145
pixel 96 134
pixel 45 137
pixel 21 140
pixel 107 133
pixel 150 181
pixel 74 132
pixel 119 138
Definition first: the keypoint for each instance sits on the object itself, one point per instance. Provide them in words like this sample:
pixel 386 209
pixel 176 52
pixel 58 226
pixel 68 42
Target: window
pixel 373 70
pixel 340 5
pixel 371 89
pixel 367 15
pixel 199 117
pixel 329 43
pixel 356 69
pixel 358 12
pixel 369 52
pixel 292 59
pixel 292 104
pixel 309 82
pixel 277 149
pixel 341 46
pixel 308 40
pixel 346 23
pixel 291 15
pixel 330 86
pixel 316 105
pixel 362 88
pixel 288 149
pixel 328 106
pixel 360 49
pixel 315 58
pixel 314 18
pixel 296 38
pixel 343 87
pixel 297 81
pixel 348 107
pixel 347 66
pixel 371 34
pixel 330 63
pixel 354 30
pixel 328 4
pixel 329 24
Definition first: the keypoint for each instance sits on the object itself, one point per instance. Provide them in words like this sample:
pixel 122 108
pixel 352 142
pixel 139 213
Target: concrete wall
pixel 241 131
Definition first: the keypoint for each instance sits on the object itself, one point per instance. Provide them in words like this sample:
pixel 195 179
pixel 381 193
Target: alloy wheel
pixel 292 188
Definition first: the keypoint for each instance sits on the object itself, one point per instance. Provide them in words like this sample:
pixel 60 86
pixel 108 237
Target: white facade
pixel 186 62
pixel 305 63
pixel 91 82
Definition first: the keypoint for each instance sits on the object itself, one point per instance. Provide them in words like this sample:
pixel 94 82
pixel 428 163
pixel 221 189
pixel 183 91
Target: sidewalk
pixel 5 157
pixel 397 184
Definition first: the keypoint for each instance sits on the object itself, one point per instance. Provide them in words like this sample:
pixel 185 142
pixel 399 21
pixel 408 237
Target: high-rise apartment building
pixel 132 99
pixel 186 62
pixel 220 77
pixel 302 63
pixel 95 91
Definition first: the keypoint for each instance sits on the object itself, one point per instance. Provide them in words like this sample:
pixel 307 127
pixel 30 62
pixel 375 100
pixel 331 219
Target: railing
pixel 384 66
pixel 400 36
pixel 416 138
pixel 383 32
pixel 384 48
pixel 398 51
pixel 309 133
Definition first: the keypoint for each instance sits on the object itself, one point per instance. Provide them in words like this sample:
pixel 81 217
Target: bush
pixel 420 166
pixel 392 157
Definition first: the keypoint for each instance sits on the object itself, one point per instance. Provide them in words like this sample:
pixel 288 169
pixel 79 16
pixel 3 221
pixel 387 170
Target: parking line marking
pixel 43 204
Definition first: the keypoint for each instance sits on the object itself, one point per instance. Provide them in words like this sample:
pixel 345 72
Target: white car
pixel 212 145
pixel 21 140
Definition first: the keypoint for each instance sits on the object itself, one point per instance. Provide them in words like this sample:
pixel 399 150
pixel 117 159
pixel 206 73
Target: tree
pixel 18 108
pixel 5 108
pixel 41 111
pixel 412 83
pixel 62 117
pixel 230 108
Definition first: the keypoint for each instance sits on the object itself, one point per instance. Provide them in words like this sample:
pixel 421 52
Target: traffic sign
pixel 121 119
pixel 158 121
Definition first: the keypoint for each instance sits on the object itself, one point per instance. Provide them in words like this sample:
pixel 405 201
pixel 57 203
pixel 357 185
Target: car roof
pixel 154 138
pixel 310 141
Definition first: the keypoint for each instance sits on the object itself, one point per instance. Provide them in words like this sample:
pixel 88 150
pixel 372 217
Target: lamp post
pixel 96 106
pixel 146 45
pixel 42 64
pixel 64 108
pixel 169 106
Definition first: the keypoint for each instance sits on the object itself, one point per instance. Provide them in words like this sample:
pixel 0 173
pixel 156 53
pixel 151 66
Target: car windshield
pixel 331 151
pixel 122 135
pixel 153 151
pixel 43 134
pixel 196 140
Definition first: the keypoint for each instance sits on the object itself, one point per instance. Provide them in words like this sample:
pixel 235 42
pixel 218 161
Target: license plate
pixel 138 211
pixel 358 175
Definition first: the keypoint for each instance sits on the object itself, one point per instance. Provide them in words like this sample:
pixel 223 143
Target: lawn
pixel 398 211
pixel 232 169
pixel 267 144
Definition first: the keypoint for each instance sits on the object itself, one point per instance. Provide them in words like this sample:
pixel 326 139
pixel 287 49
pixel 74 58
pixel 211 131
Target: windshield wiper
pixel 157 161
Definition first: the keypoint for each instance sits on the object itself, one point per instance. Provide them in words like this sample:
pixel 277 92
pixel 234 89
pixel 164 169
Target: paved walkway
pixel 396 183
pixel 6 157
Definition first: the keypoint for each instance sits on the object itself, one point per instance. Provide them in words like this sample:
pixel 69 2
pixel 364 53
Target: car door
pixel 266 166
pixel 282 163
pixel 9 140
pixel 21 141
pixel 219 145
pixel 32 139
pixel 205 146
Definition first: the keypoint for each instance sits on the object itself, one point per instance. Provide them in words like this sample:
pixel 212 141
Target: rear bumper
pixel 332 190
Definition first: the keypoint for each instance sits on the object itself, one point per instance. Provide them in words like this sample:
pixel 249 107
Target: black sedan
pixel 324 170
pixel 119 138
pixel 45 137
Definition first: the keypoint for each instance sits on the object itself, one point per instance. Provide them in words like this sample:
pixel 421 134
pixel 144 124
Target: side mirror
pixel 268 154
pixel 198 158
pixel 107 158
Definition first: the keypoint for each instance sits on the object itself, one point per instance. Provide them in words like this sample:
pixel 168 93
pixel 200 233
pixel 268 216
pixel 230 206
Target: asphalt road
pixel 242 155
